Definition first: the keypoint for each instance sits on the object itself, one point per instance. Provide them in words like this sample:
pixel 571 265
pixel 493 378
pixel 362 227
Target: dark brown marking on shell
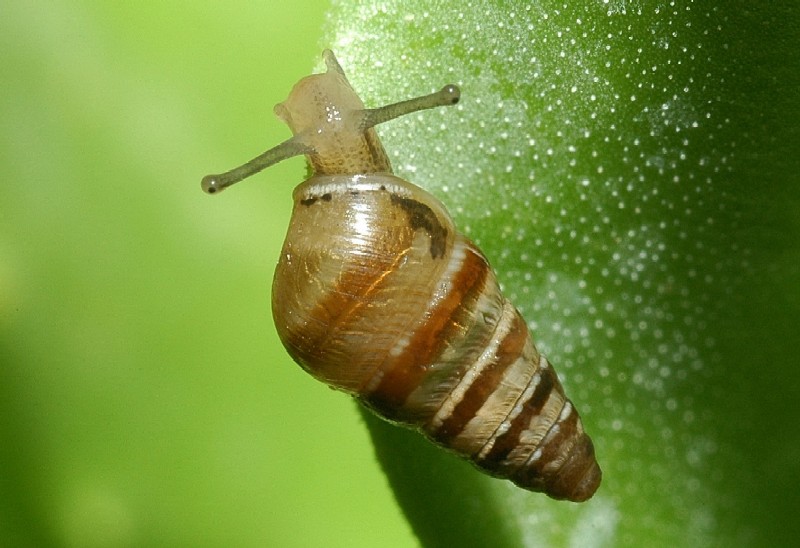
pixel 422 216
pixel 506 442
pixel 566 467
pixel 327 197
pixel 485 385
pixel 407 371
pixel 540 472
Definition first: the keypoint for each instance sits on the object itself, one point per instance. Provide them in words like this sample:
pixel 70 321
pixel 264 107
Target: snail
pixel 377 294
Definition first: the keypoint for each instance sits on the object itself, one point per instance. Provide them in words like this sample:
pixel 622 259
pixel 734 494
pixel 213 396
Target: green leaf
pixel 631 170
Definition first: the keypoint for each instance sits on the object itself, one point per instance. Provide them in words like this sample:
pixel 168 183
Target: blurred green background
pixel 144 396
pixel 630 169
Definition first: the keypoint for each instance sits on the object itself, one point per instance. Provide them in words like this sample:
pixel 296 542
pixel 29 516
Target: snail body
pixel 377 294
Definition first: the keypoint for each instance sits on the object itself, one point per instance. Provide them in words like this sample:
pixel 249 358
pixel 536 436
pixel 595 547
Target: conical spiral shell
pixel 378 295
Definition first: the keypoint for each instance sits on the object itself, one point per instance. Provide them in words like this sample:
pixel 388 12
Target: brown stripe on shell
pixel 402 374
pixel 507 441
pixel 486 384
pixel 466 352
pixel 334 306
pixel 563 465
pixel 308 344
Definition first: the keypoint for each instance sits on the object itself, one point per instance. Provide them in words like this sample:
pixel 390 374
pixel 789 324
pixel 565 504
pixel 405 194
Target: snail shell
pixel 377 294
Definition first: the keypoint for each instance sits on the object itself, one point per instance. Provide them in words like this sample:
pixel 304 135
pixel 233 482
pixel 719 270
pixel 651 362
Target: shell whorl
pixel 396 307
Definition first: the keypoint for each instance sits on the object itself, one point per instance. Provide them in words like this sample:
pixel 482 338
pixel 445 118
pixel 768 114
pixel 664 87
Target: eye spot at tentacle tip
pixel 452 93
pixel 210 184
